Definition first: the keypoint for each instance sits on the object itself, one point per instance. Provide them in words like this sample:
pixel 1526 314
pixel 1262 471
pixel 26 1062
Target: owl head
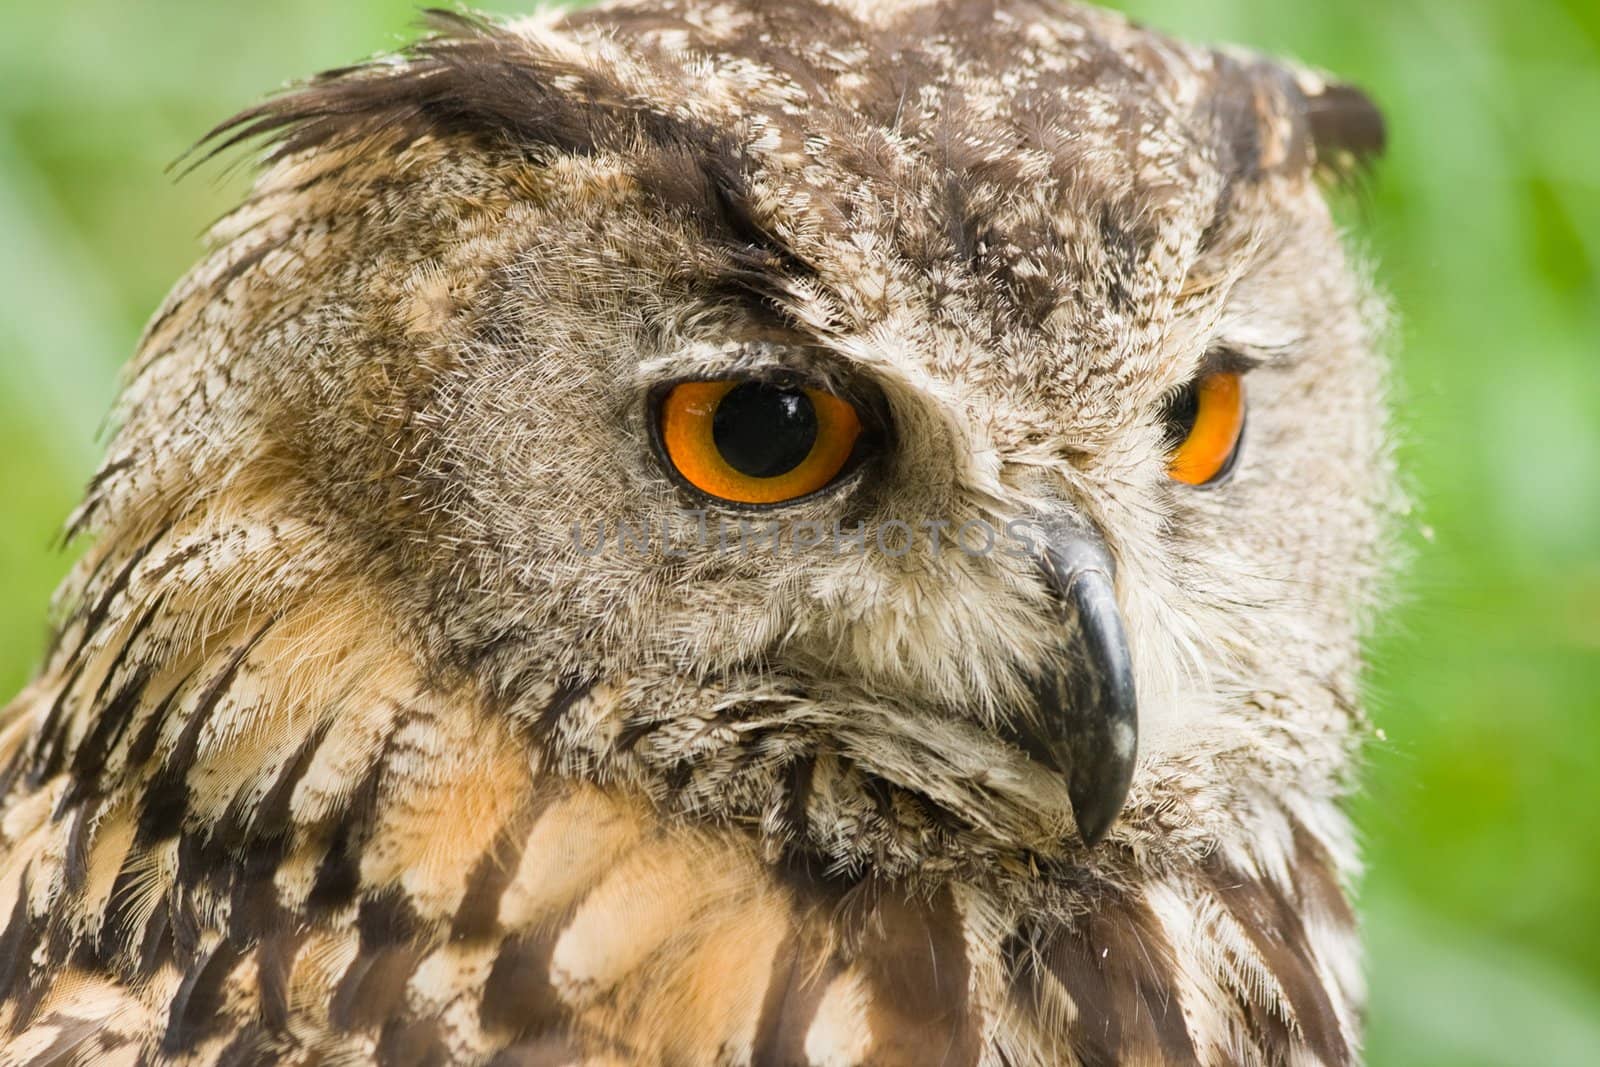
pixel 936 436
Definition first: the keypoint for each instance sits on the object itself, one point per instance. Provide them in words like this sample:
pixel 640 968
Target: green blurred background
pixel 1482 816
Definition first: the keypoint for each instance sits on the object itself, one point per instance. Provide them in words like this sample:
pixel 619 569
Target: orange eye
pixel 1205 423
pixel 754 442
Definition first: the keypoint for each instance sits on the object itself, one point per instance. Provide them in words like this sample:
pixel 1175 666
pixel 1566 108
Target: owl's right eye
pixel 755 442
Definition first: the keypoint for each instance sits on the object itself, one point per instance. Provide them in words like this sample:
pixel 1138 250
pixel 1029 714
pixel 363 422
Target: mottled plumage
pixel 345 752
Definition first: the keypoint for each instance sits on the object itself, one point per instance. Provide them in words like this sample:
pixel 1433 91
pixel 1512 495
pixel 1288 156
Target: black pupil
pixel 1180 415
pixel 764 430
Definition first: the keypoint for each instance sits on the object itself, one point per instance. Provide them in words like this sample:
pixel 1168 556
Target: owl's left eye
pixel 754 442
pixel 1205 424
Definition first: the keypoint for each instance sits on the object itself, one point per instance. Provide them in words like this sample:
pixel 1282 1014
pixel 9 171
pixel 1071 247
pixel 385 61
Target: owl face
pixel 920 442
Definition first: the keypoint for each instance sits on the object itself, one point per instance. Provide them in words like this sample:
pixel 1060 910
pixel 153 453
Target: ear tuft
pixel 1347 129
pixel 1273 117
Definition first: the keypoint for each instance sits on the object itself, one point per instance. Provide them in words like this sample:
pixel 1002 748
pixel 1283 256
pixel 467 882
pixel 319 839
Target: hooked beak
pixel 1085 723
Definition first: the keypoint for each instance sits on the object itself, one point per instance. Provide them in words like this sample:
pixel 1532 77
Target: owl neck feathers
pixel 223 694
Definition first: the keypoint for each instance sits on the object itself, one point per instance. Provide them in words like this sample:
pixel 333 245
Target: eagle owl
pixel 728 532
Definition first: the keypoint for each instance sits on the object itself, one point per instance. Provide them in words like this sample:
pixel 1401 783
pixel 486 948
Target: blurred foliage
pixel 1485 224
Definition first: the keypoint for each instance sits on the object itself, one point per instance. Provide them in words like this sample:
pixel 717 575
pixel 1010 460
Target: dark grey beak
pixel 1086 719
